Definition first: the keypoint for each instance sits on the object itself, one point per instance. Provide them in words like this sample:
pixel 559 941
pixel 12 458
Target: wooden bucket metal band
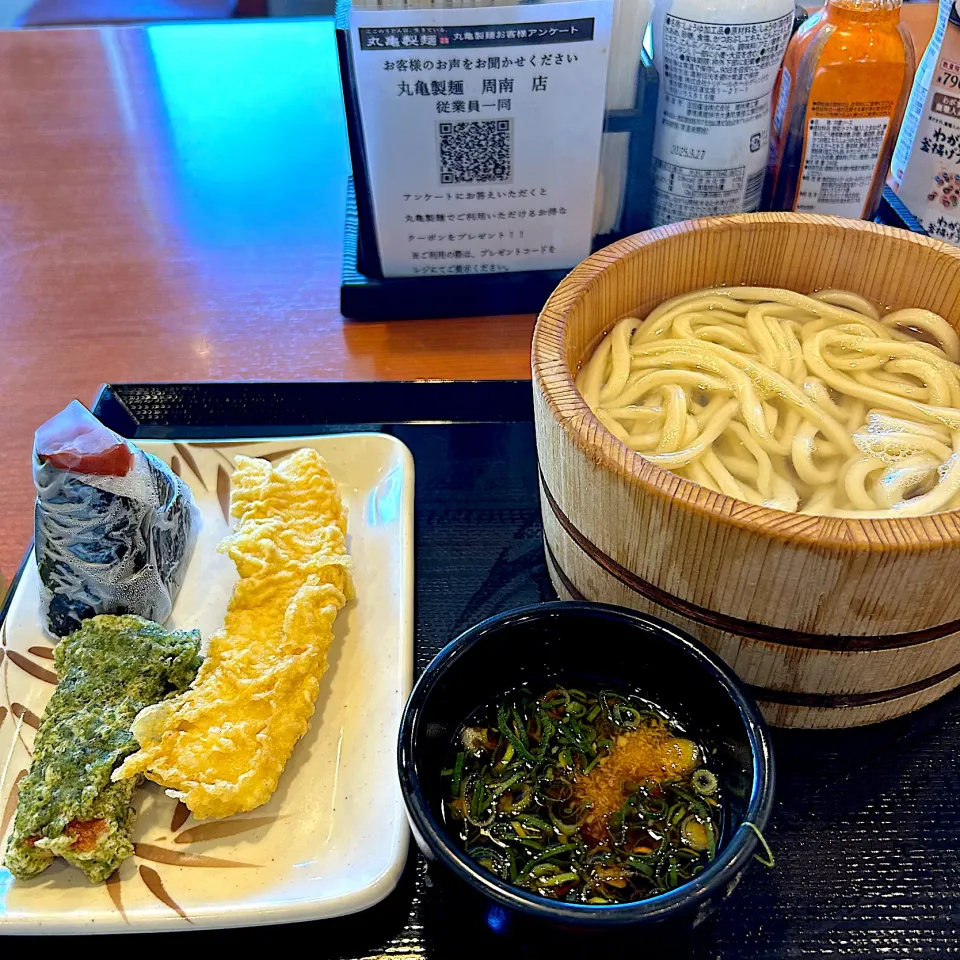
pixel 734 625
pixel 797 698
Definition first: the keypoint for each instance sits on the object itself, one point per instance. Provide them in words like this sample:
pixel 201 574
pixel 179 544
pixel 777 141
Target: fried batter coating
pixel 222 745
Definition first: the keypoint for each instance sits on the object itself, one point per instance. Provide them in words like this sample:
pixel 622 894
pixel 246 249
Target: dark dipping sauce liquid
pixel 581 796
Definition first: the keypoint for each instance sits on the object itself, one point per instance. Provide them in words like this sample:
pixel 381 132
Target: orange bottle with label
pixel 838 107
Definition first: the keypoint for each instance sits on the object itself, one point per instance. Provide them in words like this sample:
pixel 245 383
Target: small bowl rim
pixel 557 385
pixel 732 858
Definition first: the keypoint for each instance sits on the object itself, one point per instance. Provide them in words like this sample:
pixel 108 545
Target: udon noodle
pixel 817 404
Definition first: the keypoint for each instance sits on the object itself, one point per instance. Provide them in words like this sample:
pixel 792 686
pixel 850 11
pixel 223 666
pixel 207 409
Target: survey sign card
pixel 482 132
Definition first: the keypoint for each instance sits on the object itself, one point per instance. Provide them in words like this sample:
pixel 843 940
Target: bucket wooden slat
pixel 834 622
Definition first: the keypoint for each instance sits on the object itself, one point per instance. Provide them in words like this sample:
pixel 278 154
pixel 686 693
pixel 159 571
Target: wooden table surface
pixel 171 208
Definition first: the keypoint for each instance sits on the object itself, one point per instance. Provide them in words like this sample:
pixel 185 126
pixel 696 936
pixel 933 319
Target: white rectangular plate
pixel 333 840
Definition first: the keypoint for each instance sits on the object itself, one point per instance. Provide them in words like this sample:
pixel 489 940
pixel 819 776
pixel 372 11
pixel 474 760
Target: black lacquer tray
pixel 866 829
pixel 371 297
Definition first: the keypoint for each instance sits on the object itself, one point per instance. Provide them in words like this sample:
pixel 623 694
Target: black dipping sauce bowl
pixel 592 646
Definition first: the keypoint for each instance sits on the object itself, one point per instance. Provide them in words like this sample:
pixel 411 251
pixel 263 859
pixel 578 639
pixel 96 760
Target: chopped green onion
pixel 696 834
pixel 529 820
pixel 458 771
pixel 593 763
pixel 503 785
pixel 547 854
pixel 559 879
pixel 704 782
pixel 504 726
pixel 517 801
pixel 712 842
pixel 768 861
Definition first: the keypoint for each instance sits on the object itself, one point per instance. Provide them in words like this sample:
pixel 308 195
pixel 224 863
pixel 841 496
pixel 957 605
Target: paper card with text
pixel 482 132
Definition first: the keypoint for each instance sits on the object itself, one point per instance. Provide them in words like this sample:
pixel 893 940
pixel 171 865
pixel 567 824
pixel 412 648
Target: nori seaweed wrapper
pixel 111 544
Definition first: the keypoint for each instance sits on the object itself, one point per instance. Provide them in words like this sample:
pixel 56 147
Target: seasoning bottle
pixel 718 62
pixel 839 103
pixel 926 161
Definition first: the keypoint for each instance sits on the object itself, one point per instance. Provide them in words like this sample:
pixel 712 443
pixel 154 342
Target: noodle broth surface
pixel 815 404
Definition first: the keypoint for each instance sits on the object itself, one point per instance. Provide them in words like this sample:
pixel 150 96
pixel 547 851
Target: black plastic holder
pixel 364 297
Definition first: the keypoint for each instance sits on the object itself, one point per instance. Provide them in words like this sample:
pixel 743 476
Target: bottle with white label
pixel 926 161
pixel 718 62
pixel 839 104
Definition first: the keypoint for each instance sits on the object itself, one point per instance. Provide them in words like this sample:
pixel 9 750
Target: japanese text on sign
pixel 713 119
pixel 839 164
pixel 488 120
pixel 400 37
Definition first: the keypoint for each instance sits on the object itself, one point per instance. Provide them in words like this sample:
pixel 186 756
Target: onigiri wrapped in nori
pixel 115 527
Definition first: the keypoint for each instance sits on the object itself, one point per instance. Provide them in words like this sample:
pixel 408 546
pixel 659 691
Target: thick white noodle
pixel 820 404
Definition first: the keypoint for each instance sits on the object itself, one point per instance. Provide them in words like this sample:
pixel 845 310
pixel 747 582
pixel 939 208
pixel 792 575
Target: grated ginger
pixel 651 753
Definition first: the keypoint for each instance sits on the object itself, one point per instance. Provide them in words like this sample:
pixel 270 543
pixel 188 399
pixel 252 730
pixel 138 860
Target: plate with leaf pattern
pixel 333 839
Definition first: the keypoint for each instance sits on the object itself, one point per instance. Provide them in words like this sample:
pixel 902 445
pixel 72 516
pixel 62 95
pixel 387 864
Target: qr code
pixel 476 151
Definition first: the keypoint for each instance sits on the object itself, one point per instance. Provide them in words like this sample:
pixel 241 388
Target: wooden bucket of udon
pixel 831 622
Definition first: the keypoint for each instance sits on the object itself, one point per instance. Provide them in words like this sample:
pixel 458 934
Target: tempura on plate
pixel 109 670
pixel 222 745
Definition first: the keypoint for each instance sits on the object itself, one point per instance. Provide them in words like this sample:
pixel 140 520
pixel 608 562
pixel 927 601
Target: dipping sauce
pixel 585 797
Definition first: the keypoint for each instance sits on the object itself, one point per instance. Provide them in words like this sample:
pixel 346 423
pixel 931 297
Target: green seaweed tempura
pixel 109 670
